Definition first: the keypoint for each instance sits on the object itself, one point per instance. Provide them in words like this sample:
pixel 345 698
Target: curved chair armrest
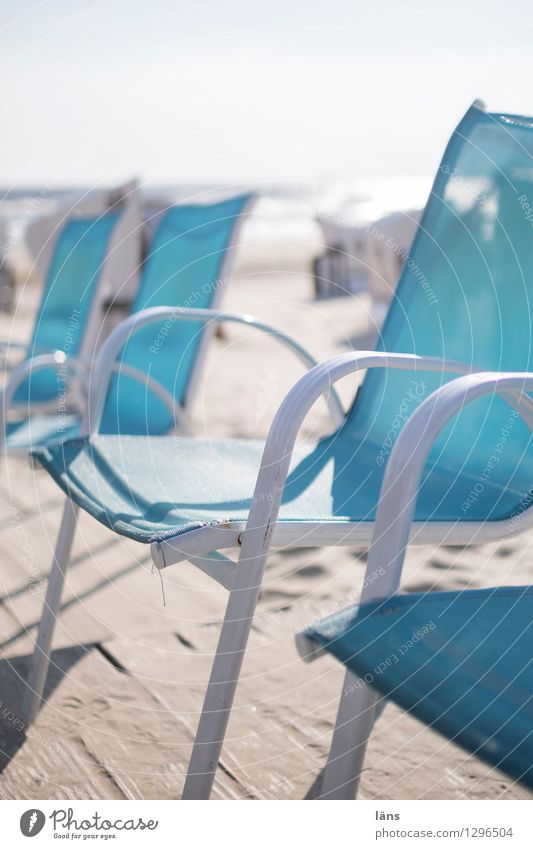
pixel 404 469
pixel 59 360
pixel 127 328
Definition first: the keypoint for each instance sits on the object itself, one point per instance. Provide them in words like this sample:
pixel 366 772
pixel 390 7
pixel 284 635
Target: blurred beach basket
pixel 7 272
pixel 366 257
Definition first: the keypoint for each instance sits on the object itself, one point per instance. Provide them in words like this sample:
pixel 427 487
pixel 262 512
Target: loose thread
pixel 162 588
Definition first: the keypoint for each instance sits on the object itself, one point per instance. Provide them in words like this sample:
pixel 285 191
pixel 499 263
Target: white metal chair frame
pixel 255 538
pixel 262 532
pixel 105 365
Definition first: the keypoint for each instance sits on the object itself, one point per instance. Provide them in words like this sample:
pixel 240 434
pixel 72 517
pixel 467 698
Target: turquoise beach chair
pixel 463 304
pixel 187 265
pixel 66 326
pixel 460 661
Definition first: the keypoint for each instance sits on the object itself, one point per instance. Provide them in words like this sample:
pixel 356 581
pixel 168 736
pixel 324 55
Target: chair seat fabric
pixel 149 488
pixel 459 661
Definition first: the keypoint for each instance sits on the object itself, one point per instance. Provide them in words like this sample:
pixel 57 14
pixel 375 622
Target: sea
pixel 290 210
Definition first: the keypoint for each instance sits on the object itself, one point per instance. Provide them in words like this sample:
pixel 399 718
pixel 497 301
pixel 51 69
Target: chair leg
pixel 355 719
pixel 41 656
pixel 221 690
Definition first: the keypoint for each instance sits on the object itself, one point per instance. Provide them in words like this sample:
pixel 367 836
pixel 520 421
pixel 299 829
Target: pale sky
pixel 94 91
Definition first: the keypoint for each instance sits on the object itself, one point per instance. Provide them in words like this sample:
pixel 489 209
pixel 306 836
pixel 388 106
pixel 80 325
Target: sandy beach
pixel 128 672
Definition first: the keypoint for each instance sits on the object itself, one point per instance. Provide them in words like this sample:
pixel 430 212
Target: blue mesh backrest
pixel 69 294
pixel 466 293
pixel 182 269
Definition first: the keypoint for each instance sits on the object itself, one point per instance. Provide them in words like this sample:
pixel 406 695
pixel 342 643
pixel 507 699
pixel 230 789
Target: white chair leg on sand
pixel 233 639
pixel 40 660
pixel 353 727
